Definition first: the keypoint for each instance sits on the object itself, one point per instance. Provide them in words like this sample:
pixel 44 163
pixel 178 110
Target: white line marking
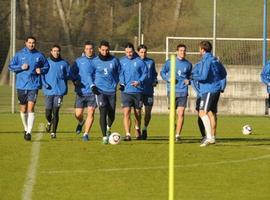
pixel 158 167
pixel 31 174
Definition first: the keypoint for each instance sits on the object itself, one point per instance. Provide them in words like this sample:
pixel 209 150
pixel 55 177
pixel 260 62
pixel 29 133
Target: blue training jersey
pixel 106 74
pixel 28 79
pixel 151 77
pixel 265 76
pixel 133 69
pixel 57 78
pixel 182 72
pixel 81 72
pixel 210 74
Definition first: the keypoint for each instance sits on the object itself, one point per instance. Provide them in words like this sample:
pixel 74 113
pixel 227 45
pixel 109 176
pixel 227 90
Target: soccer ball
pixel 247 130
pixel 115 138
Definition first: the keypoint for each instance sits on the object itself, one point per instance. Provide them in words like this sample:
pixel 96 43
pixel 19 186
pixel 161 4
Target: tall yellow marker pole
pixel 172 117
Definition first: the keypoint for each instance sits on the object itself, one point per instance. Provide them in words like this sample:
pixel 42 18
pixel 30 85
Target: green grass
pixel 237 167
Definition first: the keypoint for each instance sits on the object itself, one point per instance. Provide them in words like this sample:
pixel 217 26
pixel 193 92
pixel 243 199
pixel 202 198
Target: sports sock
pixel 137 128
pixel 108 128
pixel 127 134
pixel 85 134
pixel 207 126
pixel 30 121
pixel 24 117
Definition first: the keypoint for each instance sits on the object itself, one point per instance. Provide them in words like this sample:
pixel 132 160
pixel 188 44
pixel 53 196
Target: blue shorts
pixel 85 101
pixel 148 100
pixel 131 100
pixel 209 102
pixel 179 102
pixel 26 95
pixel 53 101
pixel 106 100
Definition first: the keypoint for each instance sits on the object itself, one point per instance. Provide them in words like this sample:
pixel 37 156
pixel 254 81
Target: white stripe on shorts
pixel 207 102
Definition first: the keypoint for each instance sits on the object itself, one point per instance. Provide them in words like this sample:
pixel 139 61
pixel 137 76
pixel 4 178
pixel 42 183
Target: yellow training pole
pixel 172 116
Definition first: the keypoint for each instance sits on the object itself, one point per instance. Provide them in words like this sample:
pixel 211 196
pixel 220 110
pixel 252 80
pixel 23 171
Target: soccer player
pixel 28 64
pixel 148 89
pixel 211 77
pixel 265 77
pixel 56 78
pixel 105 79
pixel 182 74
pixel 133 73
pixel 81 73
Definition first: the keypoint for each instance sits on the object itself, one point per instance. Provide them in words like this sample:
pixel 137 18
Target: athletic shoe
pixel 207 142
pixel 27 137
pixel 144 134
pixel 138 134
pixel 53 135
pixel 203 139
pixel 127 138
pixel 24 134
pixel 79 127
pixel 105 140
pixel 177 138
pixel 48 127
pixel 108 133
pixel 85 138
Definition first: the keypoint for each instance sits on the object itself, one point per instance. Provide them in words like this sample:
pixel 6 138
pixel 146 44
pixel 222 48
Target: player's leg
pixel 57 102
pixel 127 103
pixel 180 121
pixel 31 102
pixel 148 105
pixel 89 122
pixel 127 122
pixel 213 112
pixel 79 108
pixel 22 98
pixel 111 112
pixel 48 112
pixel 199 120
pixel 137 103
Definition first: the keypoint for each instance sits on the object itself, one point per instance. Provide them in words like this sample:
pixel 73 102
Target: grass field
pixel 237 167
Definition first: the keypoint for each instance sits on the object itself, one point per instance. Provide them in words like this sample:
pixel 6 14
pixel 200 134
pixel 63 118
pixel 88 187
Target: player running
pixel 183 72
pixel 81 72
pixel 148 89
pixel 133 74
pixel 28 64
pixel 105 79
pixel 57 87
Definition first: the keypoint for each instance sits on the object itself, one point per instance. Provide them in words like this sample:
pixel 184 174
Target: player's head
pixel 205 46
pixel 142 51
pixel 55 51
pixel 104 48
pixel 129 50
pixel 89 48
pixel 30 42
pixel 181 51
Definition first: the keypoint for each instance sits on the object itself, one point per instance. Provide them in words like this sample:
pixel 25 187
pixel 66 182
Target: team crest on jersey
pixel 111 66
pixel 149 66
pixel 135 64
pixel 37 59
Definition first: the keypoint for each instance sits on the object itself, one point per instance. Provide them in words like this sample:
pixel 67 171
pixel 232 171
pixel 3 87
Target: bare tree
pixel 65 25
pixel 27 20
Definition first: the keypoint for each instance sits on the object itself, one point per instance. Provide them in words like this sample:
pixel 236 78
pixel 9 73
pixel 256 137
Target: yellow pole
pixel 172 119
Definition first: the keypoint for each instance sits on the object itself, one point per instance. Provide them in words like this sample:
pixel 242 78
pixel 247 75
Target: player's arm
pixel 164 73
pixel 122 81
pixel 15 66
pixel 44 68
pixel 144 75
pixel 154 74
pixel 265 75
pixel 203 71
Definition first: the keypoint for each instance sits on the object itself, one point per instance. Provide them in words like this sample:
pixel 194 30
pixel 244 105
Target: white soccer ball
pixel 115 138
pixel 247 130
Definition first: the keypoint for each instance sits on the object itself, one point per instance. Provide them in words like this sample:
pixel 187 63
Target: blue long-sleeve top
pixel 210 74
pixel 182 72
pixel 28 79
pixel 151 78
pixel 265 76
pixel 133 69
pixel 81 73
pixel 106 74
pixel 57 78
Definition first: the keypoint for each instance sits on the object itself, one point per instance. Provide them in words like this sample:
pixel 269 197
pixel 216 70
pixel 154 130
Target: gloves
pixel 121 87
pixel 95 90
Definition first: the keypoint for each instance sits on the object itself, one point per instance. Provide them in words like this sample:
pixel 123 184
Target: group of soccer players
pixel 96 77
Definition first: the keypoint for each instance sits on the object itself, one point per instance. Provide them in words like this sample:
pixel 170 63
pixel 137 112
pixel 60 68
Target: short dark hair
pixel 89 43
pixel 56 46
pixel 142 46
pixel 181 45
pixel 30 37
pixel 206 45
pixel 129 45
pixel 104 43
